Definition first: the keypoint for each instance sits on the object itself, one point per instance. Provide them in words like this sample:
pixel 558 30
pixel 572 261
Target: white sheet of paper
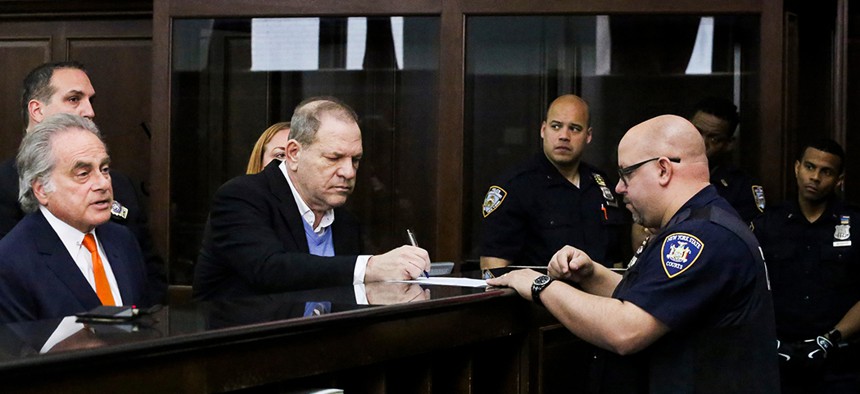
pixel 447 281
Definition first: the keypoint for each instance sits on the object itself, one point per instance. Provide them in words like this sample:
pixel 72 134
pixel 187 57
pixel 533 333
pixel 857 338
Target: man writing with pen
pixel 283 229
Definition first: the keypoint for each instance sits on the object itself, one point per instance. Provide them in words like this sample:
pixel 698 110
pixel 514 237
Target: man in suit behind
pixel 46 267
pixel 64 87
pixel 283 229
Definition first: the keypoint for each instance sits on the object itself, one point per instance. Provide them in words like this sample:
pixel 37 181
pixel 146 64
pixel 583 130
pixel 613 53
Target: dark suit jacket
pixel 40 280
pixel 255 242
pixel 124 192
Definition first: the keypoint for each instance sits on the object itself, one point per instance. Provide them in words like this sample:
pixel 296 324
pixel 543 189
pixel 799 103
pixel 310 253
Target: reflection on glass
pixel 234 77
pixel 628 67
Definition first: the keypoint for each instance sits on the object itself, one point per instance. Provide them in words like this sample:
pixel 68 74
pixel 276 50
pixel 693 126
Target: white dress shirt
pixel 73 239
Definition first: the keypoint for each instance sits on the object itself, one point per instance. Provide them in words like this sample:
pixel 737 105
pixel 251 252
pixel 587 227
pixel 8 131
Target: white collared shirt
pixel 304 210
pixel 73 239
pixel 328 218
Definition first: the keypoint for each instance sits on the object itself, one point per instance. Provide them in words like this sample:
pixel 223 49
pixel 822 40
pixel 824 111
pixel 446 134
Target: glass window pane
pixel 232 78
pixel 628 67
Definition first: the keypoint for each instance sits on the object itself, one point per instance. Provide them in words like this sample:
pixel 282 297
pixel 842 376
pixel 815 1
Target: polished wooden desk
pixel 457 340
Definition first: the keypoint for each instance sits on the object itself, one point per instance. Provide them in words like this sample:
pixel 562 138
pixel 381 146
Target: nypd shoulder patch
pixel 680 251
pixel 493 200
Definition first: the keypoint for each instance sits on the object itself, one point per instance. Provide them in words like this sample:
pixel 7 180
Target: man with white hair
pixel 66 256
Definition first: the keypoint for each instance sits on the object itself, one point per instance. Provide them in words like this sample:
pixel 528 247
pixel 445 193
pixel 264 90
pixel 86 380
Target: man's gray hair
pixel 36 159
pixel 306 117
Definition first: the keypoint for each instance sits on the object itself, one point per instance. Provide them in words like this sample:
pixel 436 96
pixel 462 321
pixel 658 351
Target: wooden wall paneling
pixel 18 55
pixel 120 71
pixel 251 8
pixel 532 7
pixel 160 145
pixel 99 44
pixel 62 9
pixel 852 103
pixel 771 160
pixel 450 172
pixel 791 93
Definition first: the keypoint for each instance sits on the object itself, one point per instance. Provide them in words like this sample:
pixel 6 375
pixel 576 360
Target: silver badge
pixel 843 232
pixel 758 196
pixel 607 194
pixel 117 209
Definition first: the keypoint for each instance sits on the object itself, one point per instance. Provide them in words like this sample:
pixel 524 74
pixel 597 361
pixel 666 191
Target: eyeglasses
pixel 624 173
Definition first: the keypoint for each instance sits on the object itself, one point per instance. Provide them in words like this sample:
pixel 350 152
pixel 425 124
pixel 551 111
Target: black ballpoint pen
pixel 414 242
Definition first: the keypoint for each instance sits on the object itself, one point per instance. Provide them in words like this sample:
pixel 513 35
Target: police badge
pixel 607 194
pixel 842 232
pixel 117 209
pixel 679 252
pixel 758 196
pixel 493 200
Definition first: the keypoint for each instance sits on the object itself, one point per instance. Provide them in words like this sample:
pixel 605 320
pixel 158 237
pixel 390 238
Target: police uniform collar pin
pixel 116 209
pixel 758 196
pixel 607 194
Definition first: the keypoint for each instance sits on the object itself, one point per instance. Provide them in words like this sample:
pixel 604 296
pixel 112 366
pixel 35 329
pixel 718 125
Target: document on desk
pixel 446 281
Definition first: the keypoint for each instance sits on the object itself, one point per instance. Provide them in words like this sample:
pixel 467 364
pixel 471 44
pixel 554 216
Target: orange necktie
pixel 102 285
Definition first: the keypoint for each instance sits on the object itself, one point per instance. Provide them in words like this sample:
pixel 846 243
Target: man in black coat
pixel 283 229
pixel 64 87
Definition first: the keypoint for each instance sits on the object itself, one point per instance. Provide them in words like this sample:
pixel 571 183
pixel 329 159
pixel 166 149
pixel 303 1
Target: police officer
pixel 815 274
pixel 716 119
pixel 553 199
pixel 693 312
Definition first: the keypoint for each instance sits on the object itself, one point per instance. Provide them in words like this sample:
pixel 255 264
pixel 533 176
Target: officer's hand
pixel 519 280
pixel 812 352
pixel 571 264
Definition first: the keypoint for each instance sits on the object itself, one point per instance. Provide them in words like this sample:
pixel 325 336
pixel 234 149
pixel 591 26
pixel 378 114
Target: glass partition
pixel 628 67
pixel 232 78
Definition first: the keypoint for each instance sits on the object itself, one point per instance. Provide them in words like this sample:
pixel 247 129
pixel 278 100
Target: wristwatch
pixel 540 283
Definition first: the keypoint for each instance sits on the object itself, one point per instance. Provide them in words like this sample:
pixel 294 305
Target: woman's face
pixel 276 148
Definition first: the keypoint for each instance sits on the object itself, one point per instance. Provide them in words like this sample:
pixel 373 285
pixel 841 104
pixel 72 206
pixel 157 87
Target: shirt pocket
pixel 839 266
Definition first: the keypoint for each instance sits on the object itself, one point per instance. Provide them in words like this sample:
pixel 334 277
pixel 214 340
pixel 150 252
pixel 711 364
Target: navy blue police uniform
pixel 532 211
pixel 815 275
pixel 739 190
pixel 702 276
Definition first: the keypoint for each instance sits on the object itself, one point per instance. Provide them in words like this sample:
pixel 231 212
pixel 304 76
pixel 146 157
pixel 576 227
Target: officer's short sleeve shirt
pixel 533 211
pixel 814 267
